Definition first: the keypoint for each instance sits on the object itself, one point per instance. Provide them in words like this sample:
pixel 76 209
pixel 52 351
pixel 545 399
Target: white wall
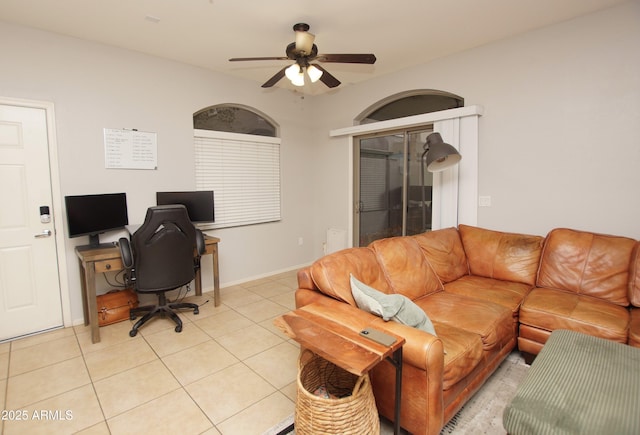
pixel 560 134
pixel 94 86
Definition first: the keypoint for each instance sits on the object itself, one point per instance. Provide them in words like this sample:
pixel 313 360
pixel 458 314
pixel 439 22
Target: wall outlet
pixel 300 241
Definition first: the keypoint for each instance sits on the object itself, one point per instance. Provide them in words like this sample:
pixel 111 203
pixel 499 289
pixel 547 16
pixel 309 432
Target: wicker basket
pixel 353 412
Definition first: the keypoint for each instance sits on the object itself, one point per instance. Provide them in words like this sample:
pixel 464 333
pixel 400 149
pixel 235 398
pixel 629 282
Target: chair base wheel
pixel 161 310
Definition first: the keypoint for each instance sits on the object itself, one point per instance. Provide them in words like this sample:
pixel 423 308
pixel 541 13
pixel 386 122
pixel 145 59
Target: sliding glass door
pixel 391 186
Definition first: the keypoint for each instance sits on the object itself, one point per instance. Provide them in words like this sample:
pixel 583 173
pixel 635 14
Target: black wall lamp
pixel 440 155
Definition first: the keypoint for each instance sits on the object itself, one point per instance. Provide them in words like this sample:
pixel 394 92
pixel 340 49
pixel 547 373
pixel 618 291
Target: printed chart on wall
pixel 130 149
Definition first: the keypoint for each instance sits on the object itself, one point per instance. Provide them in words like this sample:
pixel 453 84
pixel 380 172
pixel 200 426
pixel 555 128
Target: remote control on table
pixel 378 336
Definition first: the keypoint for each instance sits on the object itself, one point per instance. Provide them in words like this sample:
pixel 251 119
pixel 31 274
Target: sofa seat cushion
pixel 463 353
pixel 492 322
pixel 506 293
pixel 634 327
pixel 552 309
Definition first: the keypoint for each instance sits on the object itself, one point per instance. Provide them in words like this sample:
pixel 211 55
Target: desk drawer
pixel 111 265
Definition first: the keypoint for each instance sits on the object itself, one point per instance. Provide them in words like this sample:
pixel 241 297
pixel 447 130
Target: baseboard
pixel 260 276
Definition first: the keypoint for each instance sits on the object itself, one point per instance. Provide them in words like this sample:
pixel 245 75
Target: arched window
pixel 410 103
pixel 237 155
pixel 234 118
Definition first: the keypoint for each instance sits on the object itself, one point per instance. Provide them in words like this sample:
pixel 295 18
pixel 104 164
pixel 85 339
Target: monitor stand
pixel 94 243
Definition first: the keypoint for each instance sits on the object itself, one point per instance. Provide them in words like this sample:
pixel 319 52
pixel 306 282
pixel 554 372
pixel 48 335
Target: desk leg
pixel 83 290
pixel 397 363
pixel 198 281
pixel 92 303
pixel 216 277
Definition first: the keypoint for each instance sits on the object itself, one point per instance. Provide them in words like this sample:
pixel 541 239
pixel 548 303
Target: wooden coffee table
pixel 341 345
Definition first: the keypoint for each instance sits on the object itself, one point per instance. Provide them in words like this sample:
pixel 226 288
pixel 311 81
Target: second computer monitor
pixel 199 203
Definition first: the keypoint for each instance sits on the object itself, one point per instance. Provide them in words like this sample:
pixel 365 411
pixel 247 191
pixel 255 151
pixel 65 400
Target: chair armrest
pixel 125 253
pixel 200 247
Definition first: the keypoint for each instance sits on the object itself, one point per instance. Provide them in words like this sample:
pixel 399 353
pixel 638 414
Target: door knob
pixel 44 233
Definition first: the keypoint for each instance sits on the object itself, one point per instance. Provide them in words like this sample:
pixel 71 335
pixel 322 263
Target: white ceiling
pixel 206 33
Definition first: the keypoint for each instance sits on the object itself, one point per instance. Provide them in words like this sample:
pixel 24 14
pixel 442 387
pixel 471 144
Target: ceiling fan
pixel 303 51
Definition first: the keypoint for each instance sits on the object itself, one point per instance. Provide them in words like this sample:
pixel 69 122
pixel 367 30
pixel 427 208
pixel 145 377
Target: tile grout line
pixel 93 386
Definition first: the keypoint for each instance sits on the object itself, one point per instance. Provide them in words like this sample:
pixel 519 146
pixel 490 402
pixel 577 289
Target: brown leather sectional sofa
pixel 485 292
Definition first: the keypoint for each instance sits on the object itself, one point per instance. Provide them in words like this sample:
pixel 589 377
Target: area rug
pixel 283 428
pixel 481 414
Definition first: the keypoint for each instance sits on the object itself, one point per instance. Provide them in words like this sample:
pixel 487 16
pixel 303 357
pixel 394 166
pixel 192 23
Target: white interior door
pixel 30 299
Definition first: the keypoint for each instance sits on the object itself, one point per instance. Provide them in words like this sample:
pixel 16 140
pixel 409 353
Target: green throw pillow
pixel 390 307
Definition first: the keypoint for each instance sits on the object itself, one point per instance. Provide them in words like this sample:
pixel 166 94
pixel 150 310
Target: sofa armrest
pixel 305 296
pixel 421 349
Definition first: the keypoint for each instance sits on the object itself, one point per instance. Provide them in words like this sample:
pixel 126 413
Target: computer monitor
pixel 92 215
pixel 199 203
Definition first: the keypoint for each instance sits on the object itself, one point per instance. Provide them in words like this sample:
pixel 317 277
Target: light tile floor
pixel 230 371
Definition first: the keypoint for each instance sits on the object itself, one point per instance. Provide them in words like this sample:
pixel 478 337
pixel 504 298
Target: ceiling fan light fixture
pixel 314 73
pixel 295 74
pixel 302 52
pixel 298 81
pixel 292 71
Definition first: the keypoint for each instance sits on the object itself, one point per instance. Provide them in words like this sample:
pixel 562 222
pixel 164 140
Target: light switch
pixel 484 201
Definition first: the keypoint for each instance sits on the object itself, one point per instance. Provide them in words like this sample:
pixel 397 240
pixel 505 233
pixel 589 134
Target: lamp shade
pixel 304 42
pixel 314 73
pixel 440 155
pixel 295 74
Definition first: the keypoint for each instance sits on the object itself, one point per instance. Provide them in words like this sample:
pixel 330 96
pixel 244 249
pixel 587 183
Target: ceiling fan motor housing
pixel 301 27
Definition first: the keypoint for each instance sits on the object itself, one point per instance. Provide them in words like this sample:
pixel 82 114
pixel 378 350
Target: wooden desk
pixel 94 261
pixel 342 346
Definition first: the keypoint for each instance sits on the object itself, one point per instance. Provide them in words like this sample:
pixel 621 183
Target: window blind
pixel 244 173
pixel 373 183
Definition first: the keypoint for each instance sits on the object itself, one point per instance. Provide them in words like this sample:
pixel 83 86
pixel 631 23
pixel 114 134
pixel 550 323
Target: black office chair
pixel 163 255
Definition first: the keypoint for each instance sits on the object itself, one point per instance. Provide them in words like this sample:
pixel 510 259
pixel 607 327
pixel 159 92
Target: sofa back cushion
pixel 587 263
pixel 444 251
pixel 405 267
pixel 503 256
pixel 331 273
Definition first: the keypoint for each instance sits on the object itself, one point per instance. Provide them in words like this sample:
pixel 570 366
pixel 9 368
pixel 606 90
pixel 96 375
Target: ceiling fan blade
pixel 275 79
pixel 239 59
pixel 347 58
pixel 327 78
